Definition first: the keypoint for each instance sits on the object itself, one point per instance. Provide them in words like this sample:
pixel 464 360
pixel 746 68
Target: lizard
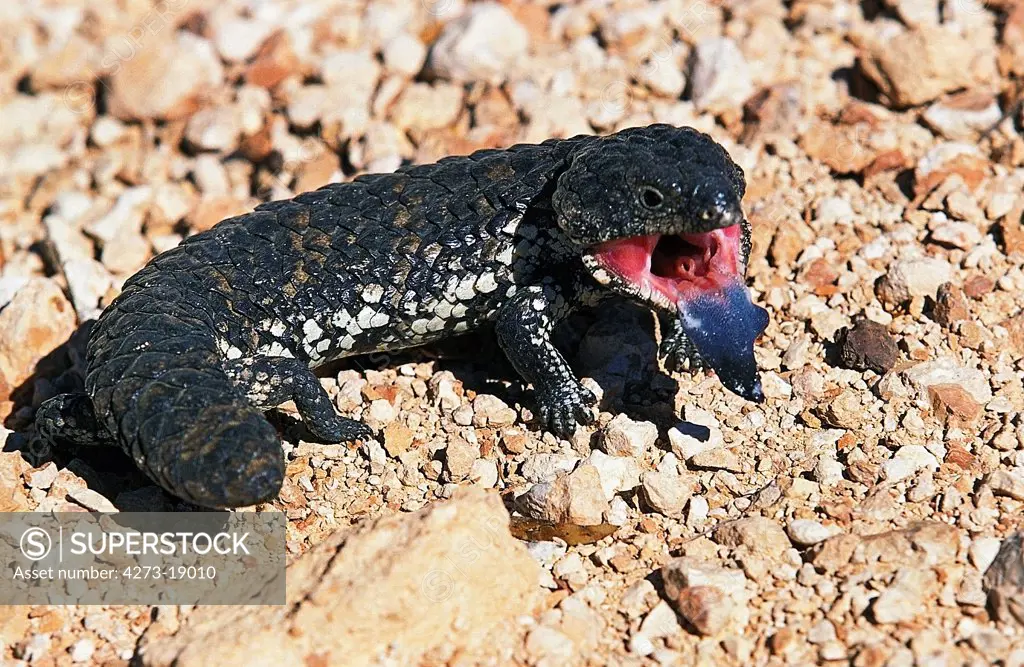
pixel 231 322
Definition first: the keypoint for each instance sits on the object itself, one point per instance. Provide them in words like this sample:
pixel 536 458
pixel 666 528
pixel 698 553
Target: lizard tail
pixel 157 383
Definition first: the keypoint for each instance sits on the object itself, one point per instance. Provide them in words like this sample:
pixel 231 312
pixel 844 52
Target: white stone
pixel 907 460
pixel 807 532
pixel 720 78
pixel 484 44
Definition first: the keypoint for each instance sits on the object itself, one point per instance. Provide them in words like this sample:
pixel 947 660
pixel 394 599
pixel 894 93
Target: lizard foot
pixel 68 419
pixel 334 428
pixel 562 407
pixel 680 354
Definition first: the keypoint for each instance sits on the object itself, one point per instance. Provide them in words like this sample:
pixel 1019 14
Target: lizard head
pixel 656 213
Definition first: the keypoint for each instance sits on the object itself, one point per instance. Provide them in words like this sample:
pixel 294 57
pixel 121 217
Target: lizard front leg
pixel 677 350
pixel 523 329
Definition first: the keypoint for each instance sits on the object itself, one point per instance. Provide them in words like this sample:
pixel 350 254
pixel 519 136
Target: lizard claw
pixel 564 407
pixel 679 354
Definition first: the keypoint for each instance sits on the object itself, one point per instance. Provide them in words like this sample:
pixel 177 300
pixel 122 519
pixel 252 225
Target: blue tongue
pixel 723 325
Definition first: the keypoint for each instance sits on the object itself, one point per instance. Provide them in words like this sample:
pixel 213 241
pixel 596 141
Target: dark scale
pixel 230 323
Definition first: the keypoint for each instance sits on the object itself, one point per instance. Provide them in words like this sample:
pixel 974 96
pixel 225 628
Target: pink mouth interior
pixel 677 266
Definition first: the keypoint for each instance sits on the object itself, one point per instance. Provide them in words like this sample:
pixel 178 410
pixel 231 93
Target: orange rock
pixel 841 148
pixel 397 438
pixel 166 80
pixel 274 61
pixel 959 457
pixel 707 608
pixel 818 274
pixel 1015 325
pixel 212 210
pixel 954 405
pixel 1011 228
pixel 38 320
pixel 950 305
pixel 886 161
pixel 972 168
pixel 978 286
pixel 790 240
pixel 317 171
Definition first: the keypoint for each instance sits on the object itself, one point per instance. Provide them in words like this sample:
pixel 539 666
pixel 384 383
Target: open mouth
pixel 667 268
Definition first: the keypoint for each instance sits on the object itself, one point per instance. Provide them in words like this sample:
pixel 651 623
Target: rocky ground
pixel 869 513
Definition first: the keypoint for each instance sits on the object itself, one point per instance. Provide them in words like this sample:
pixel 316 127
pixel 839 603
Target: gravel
pixel 881 478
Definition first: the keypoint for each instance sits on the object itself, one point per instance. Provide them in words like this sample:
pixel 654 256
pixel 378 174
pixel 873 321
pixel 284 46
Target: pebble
pixel 833 210
pixel 88 282
pixel 808 532
pixel 37 320
pixel 666 492
pixel 423 107
pixel 906 597
pixel 166 80
pixel 125 217
pixel 484 472
pixel 867 345
pixel 238 39
pixel 617 473
pixel 404 54
pixel 545 466
pixel 963 117
pixel 828 471
pixel 951 305
pixel 707 608
pixel 717 459
pixel 618 512
pixel 946 370
pixel 625 437
pixel 577 498
pixel 459 458
pixel 490 410
pixel 720 76
pixel 44 477
pixel 571 569
pixel 907 278
pixel 274 62
pixel 953 405
pixel 661 621
pixel 963 235
pixel 214 129
pixel 912 67
pixel 82 650
pixel 641 645
pixel 397 438
pixel 697 512
pixel 685 572
pixel 907 460
pixel 546 645
pixel 699 432
pixel 822 632
pixel 1006 483
pixel 636 599
pixel 758 535
pixel 844 411
pixel 106 131
pixel 91 500
pixel 983 551
pixel 483 45
pixel 546 553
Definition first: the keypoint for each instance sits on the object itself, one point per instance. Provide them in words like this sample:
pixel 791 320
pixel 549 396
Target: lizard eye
pixel 651 197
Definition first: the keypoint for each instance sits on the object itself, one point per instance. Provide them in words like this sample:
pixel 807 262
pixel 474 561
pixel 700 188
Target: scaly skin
pixel 210 334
